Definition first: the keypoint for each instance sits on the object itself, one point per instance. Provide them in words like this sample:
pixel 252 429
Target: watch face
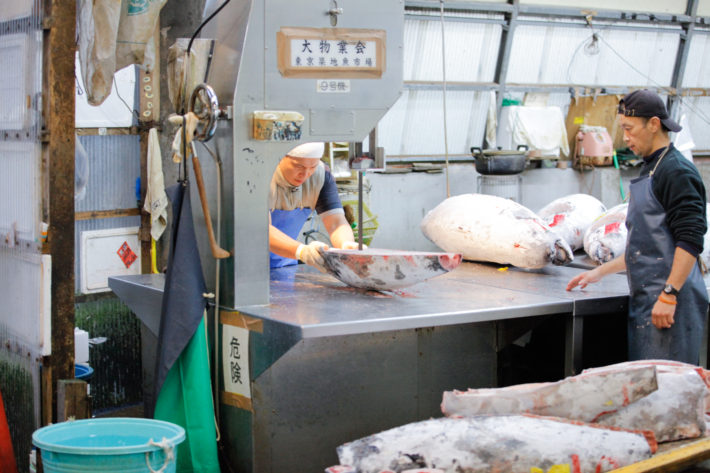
pixel 669 289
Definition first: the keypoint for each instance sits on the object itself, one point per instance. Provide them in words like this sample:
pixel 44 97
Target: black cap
pixel 647 104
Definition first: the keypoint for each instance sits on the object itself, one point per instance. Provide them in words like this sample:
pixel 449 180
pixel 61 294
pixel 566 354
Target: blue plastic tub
pixel 83 372
pixel 110 444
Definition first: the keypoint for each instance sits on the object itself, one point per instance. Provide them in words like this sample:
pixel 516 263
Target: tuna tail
pixel 561 253
pixel 603 254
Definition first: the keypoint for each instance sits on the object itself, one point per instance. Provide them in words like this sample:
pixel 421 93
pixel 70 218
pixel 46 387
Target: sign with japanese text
pixel 236 328
pixel 327 53
pixel 333 86
pixel 235 360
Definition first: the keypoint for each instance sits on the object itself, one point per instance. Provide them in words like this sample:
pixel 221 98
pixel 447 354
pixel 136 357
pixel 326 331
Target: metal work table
pixel 319 305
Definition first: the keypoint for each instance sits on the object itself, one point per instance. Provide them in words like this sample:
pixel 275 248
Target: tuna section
pixel 675 411
pixel 493 229
pixel 605 239
pixel 571 216
pixel 495 444
pixel 585 397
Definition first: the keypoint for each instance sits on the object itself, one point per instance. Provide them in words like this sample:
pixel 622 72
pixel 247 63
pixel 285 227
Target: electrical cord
pixel 591 46
pixel 443 72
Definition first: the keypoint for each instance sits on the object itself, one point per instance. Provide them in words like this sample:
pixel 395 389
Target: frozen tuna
pixel 675 411
pixel 495 444
pixel 584 397
pixel 493 229
pixel 605 239
pixel 570 216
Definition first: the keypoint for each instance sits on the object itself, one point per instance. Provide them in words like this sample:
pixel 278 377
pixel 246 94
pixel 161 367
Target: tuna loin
pixel 584 397
pixel 605 239
pixel 570 216
pixel 495 444
pixel 673 412
pixel 493 229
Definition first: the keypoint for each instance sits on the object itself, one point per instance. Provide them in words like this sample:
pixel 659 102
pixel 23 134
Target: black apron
pixel 649 256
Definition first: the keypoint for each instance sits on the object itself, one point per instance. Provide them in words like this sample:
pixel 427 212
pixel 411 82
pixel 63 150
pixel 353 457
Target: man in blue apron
pixel 666 224
pixel 302 183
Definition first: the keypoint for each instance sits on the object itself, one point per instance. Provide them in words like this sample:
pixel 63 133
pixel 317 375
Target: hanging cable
pixel 591 47
pixel 443 71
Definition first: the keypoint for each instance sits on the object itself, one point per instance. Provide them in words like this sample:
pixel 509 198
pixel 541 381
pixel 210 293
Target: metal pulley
pixel 204 104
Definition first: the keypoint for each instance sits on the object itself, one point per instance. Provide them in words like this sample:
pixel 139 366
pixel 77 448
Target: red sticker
pixel 126 254
pixel 611 227
pixel 557 219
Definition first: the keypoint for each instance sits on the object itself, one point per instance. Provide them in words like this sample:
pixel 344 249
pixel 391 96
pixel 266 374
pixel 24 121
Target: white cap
pixel 308 150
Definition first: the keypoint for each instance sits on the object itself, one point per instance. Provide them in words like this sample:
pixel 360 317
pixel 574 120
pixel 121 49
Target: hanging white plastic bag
pixel 136 27
pixel 98 28
pixel 81 170
pixel 182 77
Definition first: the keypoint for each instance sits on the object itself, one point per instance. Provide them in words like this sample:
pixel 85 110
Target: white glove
pixel 311 254
pixel 352 245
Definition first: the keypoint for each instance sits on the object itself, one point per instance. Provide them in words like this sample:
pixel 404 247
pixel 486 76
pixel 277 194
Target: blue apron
pixel 649 256
pixel 290 222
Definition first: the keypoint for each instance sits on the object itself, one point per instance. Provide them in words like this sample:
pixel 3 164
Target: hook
pixel 334 12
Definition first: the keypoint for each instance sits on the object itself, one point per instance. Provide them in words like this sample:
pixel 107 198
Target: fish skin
pixel 605 239
pixel 493 229
pixel 675 411
pixel 571 215
pixel 584 397
pixel 485 444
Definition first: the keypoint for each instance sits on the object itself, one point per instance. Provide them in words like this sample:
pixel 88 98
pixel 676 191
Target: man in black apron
pixel 666 223
pixel 301 184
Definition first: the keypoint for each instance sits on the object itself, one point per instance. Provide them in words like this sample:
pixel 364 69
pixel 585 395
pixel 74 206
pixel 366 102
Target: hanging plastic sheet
pixel 182 375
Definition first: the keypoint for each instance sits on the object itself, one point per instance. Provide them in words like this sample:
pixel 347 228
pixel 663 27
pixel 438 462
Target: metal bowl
pixel 500 162
pixel 386 270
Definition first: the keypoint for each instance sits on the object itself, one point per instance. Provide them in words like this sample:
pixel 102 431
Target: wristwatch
pixel 670 290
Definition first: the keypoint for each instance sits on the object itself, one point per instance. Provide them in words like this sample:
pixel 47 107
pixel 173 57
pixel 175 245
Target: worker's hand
pixel 352 245
pixel 662 313
pixel 311 254
pixel 583 279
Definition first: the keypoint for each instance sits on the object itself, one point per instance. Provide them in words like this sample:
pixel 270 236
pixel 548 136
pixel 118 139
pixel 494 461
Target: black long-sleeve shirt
pixel 680 190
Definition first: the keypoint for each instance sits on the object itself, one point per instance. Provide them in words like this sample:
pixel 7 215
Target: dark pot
pixel 498 161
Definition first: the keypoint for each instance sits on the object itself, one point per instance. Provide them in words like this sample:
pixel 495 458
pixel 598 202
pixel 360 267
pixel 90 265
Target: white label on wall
pixel 335 54
pixel 235 360
pixel 333 86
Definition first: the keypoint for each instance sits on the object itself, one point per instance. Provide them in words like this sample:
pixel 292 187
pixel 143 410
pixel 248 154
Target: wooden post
pixel 72 400
pixel 148 116
pixel 58 154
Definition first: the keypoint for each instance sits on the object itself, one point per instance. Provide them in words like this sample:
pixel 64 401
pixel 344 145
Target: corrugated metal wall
pixel 114 166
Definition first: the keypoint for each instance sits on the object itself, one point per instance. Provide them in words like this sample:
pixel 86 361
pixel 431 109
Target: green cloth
pixel 186 400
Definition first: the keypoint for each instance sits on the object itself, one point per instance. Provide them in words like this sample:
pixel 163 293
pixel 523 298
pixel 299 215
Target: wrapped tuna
pixel 495 444
pixel 605 239
pixel 584 397
pixel 493 229
pixel 570 216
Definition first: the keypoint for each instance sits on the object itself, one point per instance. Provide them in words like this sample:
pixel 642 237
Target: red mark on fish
pixel 559 218
pixel 576 467
pixel 611 228
pixel 609 461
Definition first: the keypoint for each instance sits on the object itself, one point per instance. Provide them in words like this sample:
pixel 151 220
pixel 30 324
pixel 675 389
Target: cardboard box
pixel 597 110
